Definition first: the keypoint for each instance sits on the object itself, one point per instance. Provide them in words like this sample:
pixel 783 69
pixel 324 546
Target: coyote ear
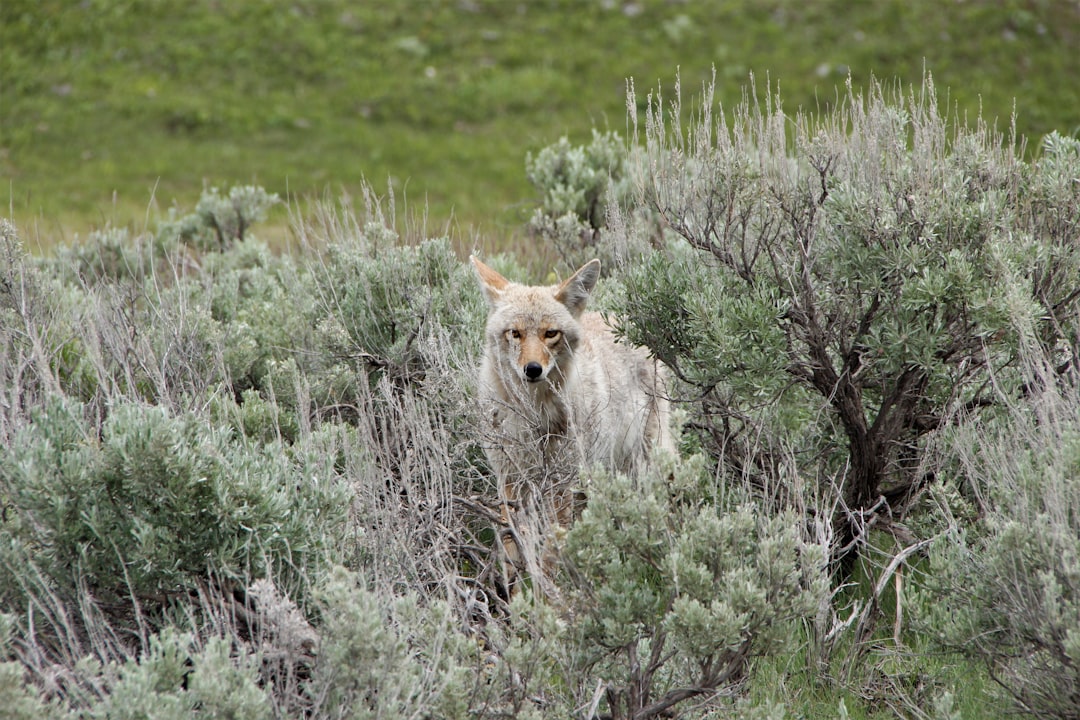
pixel 491 282
pixel 574 292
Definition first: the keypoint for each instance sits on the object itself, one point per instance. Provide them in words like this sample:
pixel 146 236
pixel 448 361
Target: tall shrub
pixel 841 284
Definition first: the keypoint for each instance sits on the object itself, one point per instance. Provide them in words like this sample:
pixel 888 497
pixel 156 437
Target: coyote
pixel 558 392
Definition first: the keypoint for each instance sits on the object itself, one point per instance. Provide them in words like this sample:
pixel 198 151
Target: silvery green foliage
pixel 528 669
pixel 178 680
pixel 174 432
pixel 580 186
pixel 155 504
pixel 258 302
pixel 674 592
pixel 114 254
pixel 162 329
pixel 19 699
pixel 1006 590
pixel 384 658
pixel 574 180
pixel 19 301
pixel 220 220
pixel 381 310
pixel 145 508
pixel 843 283
pixel 399 330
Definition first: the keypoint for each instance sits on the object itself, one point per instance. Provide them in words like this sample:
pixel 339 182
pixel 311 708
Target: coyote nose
pixel 533 371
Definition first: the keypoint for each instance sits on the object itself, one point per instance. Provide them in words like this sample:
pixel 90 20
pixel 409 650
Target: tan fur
pixel 593 401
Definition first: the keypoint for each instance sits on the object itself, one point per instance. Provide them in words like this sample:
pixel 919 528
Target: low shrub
pixel 219 221
pixel 401 659
pixel 179 678
pixel 581 188
pixel 157 506
pixel 674 591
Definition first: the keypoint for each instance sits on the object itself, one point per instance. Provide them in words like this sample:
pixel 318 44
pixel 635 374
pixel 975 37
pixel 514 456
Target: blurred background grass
pixel 112 111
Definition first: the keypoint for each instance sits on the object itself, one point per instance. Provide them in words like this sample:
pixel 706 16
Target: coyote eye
pixel 514 333
pixel 552 334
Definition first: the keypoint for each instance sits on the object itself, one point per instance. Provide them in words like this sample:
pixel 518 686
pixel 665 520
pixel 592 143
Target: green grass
pixel 110 110
pixel 886 683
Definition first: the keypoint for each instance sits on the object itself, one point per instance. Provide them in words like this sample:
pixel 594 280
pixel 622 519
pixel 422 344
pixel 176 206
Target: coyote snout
pixel 534 352
pixel 558 392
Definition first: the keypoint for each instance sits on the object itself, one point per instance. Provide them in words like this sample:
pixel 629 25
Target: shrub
pixel 531 672
pixel 114 255
pixel 840 285
pixel 380 310
pixel 172 437
pixel 158 506
pixel 580 186
pixel 386 657
pixel 20 701
pixel 260 304
pixel 1007 590
pixel 219 221
pixel 400 329
pixel 18 293
pixel 575 181
pixel 127 331
pixel 674 592
pixel 177 679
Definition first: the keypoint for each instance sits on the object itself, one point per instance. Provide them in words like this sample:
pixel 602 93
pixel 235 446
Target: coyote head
pixel 532 331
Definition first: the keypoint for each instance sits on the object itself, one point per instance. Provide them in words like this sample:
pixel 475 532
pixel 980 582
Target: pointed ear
pixel 574 292
pixel 491 282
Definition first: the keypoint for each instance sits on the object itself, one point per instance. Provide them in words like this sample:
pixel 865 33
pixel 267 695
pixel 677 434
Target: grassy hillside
pixel 110 110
